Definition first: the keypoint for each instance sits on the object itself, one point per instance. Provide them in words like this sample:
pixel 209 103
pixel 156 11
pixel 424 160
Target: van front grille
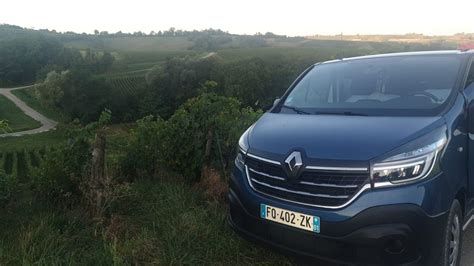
pixel 323 188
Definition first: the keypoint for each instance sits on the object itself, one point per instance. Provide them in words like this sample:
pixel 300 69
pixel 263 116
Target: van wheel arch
pixel 461 197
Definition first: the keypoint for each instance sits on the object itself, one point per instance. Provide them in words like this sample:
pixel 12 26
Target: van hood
pixel 335 137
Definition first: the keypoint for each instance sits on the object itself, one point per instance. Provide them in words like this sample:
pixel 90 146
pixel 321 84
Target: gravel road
pixel 47 124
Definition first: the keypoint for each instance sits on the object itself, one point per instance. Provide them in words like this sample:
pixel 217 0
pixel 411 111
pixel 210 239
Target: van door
pixel 469 92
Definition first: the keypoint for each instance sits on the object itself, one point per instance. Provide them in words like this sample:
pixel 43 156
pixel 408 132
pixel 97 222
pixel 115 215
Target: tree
pixel 247 80
pixel 51 91
pixel 85 96
pixel 76 92
pixel 175 82
pixel 22 59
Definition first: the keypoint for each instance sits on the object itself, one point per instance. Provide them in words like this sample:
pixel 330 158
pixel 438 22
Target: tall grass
pixel 163 223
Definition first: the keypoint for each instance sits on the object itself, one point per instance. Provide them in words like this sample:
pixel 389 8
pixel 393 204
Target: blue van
pixel 366 160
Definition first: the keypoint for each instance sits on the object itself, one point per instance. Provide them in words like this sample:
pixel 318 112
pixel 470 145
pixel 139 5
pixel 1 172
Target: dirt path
pixel 47 124
pixel 211 54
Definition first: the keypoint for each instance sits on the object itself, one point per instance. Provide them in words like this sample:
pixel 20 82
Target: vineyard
pixel 20 164
pixel 126 85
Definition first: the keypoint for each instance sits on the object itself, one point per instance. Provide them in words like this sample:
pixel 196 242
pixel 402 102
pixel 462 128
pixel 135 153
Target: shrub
pixel 58 175
pixel 179 144
pixel 146 148
pixel 7 187
pixel 4 126
pixel 208 117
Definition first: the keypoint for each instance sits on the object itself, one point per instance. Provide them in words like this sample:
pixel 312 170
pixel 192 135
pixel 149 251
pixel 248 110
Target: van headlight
pixel 242 149
pixel 240 158
pixel 409 166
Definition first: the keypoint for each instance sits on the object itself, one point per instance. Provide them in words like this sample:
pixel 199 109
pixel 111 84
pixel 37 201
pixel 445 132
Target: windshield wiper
pixel 348 113
pixel 296 110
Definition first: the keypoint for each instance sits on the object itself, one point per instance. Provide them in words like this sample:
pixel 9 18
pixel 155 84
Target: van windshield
pixel 394 85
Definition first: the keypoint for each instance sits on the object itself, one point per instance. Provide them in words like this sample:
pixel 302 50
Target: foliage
pixel 174 83
pixel 179 143
pixel 127 91
pixel 255 81
pixel 38 234
pixel 76 92
pixel 59 174
pixel 24 58
pixel 62 169
pixel 190 126
pixel 31 55
pixel 7 187
pixel 4 126
pixel 247 80
pixel 145 151
pixel 158 223
pixel 209 42
pixel 96 62
pixel 51 91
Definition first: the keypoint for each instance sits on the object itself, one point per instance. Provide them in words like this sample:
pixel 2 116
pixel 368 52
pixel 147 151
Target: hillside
pixel 140 47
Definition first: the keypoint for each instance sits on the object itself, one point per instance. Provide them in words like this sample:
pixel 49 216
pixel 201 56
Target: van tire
pixel 451 253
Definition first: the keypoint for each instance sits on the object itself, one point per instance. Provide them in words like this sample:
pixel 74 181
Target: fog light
pixel 394 246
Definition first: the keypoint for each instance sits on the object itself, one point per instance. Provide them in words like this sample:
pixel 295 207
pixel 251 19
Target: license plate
pixel 290 218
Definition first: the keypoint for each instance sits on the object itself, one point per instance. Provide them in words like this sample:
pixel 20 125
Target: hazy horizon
pixel 301 18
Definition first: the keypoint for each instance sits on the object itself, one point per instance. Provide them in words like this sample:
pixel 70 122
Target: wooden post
pixel 207 152
pixel 97 177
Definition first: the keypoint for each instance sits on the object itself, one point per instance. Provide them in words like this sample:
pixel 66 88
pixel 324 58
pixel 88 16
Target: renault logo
pixel 294 164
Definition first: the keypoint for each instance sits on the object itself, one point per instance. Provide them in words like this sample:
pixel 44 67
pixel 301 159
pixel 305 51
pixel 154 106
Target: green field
pixel 28 96
pixel 17 120
pixel 137 53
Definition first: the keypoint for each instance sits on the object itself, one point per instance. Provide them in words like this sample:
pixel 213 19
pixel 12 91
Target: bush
pixel 146 149
pixel 209 115
pixel 179 144
pixel 3 126
pixel 7 187
pixel 58 175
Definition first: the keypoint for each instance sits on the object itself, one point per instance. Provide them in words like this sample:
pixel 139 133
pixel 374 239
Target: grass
pixel 17 120
pixel 161 222
pixel 39 235
pixel 28 96
pixel 35 141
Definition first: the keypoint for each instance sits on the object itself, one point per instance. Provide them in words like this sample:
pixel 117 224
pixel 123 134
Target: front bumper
pixel 372 237
pixel 368 231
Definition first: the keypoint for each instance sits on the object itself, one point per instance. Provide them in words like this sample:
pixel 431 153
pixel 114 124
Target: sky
pixel 291 17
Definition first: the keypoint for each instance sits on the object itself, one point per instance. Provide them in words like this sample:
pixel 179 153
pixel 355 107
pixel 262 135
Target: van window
pixel 470 77
pixel 392 85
